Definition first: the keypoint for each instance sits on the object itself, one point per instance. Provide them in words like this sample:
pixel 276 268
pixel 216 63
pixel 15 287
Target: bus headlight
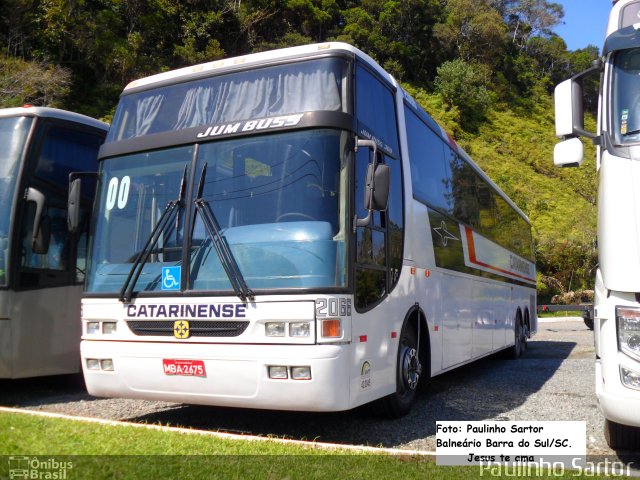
pixel 628 323
pixel 300 329
pixel 274 329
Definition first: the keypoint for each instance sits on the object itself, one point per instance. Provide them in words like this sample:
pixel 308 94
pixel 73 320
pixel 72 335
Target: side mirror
pixel 569 105
pixel 568 153
pixel 73 206
pixel 41 226
pixel 376 192
pixel 376 195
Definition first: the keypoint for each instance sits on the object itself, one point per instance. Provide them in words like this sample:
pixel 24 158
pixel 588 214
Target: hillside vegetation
pixel 485 69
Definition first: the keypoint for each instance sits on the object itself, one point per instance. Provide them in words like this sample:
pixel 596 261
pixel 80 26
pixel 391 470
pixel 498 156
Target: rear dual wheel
pixel 520 335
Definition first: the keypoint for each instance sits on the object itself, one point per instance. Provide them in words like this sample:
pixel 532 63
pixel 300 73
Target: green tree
pixel 31 82
pixel 530 18
pixel 473 30
pixel 461 84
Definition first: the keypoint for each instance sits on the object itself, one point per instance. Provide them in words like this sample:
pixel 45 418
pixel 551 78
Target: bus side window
pixel 379 244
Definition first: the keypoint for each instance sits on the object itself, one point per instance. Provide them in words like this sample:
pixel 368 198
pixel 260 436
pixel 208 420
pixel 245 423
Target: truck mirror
pixel 569 105
pixel 568 153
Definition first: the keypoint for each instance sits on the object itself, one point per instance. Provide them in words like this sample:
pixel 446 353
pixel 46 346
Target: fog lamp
pixel 109 328
pixel 630 379
pixel 93 364
pixel 278 372
pixel 301 373
pixel 93 328
pixel 106 364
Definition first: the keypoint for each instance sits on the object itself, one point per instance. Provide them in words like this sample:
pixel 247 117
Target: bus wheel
pixel 526 334
pixel 621 437
pixel 520 340
pixel 408 371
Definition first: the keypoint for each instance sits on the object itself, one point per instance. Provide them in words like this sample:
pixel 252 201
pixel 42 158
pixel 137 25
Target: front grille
pixel 197 328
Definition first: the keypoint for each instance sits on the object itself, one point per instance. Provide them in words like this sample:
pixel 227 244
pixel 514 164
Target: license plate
pixel 189 368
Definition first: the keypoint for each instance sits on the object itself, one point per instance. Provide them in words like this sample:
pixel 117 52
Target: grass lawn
pixel 96 451
pixel 559 314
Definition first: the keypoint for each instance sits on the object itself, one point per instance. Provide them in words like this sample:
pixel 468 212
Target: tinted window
pixel 464 182
pixel 375 108
pixel 64 151
pixel 395 224
pixel 379 246
pixel 429 169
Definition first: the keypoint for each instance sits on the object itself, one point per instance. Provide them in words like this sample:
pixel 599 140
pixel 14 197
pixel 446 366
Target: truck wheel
pixel 621 437
pixel 408 371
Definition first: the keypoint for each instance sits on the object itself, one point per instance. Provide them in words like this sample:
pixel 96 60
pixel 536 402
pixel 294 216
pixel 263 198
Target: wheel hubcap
pixel 411 368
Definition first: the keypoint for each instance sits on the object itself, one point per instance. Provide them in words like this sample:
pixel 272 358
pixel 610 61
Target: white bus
pixel 290 230
pixel 617 283
pixel 41 265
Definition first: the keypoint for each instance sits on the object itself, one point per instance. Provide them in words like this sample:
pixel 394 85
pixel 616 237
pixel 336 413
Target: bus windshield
pixel 13 134
pixel 626 97
pixel 279 201
pixel 314 85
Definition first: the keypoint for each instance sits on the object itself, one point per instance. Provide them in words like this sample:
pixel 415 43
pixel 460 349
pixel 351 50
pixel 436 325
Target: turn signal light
pixel 331 328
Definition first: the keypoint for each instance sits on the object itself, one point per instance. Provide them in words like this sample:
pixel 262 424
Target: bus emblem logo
pixel 444 234
pixel 181 329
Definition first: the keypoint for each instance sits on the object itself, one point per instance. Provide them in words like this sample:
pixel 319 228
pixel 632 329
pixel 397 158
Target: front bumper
pixel 236 374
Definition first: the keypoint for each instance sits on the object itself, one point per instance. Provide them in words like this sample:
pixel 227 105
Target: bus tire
pixel 408 371
pixel 520 339
pixel 621 437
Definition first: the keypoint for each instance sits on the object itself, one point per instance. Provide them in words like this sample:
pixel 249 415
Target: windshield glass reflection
pixel 13 134
pixel 278 203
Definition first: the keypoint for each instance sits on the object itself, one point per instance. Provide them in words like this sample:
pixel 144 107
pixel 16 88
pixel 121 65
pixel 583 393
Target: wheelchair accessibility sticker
pixel 171 278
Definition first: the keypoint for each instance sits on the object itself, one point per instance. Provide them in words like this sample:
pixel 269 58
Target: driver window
pixel 56 257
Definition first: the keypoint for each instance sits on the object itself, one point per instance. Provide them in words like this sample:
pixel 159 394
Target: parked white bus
pixel 617 283
pixel 290 230
pixel 41 273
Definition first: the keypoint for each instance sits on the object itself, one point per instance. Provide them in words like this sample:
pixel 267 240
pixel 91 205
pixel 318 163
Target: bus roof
pixel 252 60
pixel 29 111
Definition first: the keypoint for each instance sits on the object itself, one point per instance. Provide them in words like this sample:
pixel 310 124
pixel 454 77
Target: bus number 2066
pixel 333 307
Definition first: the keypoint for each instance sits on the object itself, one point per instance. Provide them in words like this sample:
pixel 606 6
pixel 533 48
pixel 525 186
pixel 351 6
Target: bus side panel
pixel 491 314
pixel 46 338
pixel 428 291
pixel 5 348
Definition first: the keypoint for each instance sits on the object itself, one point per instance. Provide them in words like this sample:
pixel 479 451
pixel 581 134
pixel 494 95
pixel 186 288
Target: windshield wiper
pixel 174 206
pixel 227 259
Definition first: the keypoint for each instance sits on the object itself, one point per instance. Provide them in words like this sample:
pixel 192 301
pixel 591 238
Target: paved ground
pixel 553 381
